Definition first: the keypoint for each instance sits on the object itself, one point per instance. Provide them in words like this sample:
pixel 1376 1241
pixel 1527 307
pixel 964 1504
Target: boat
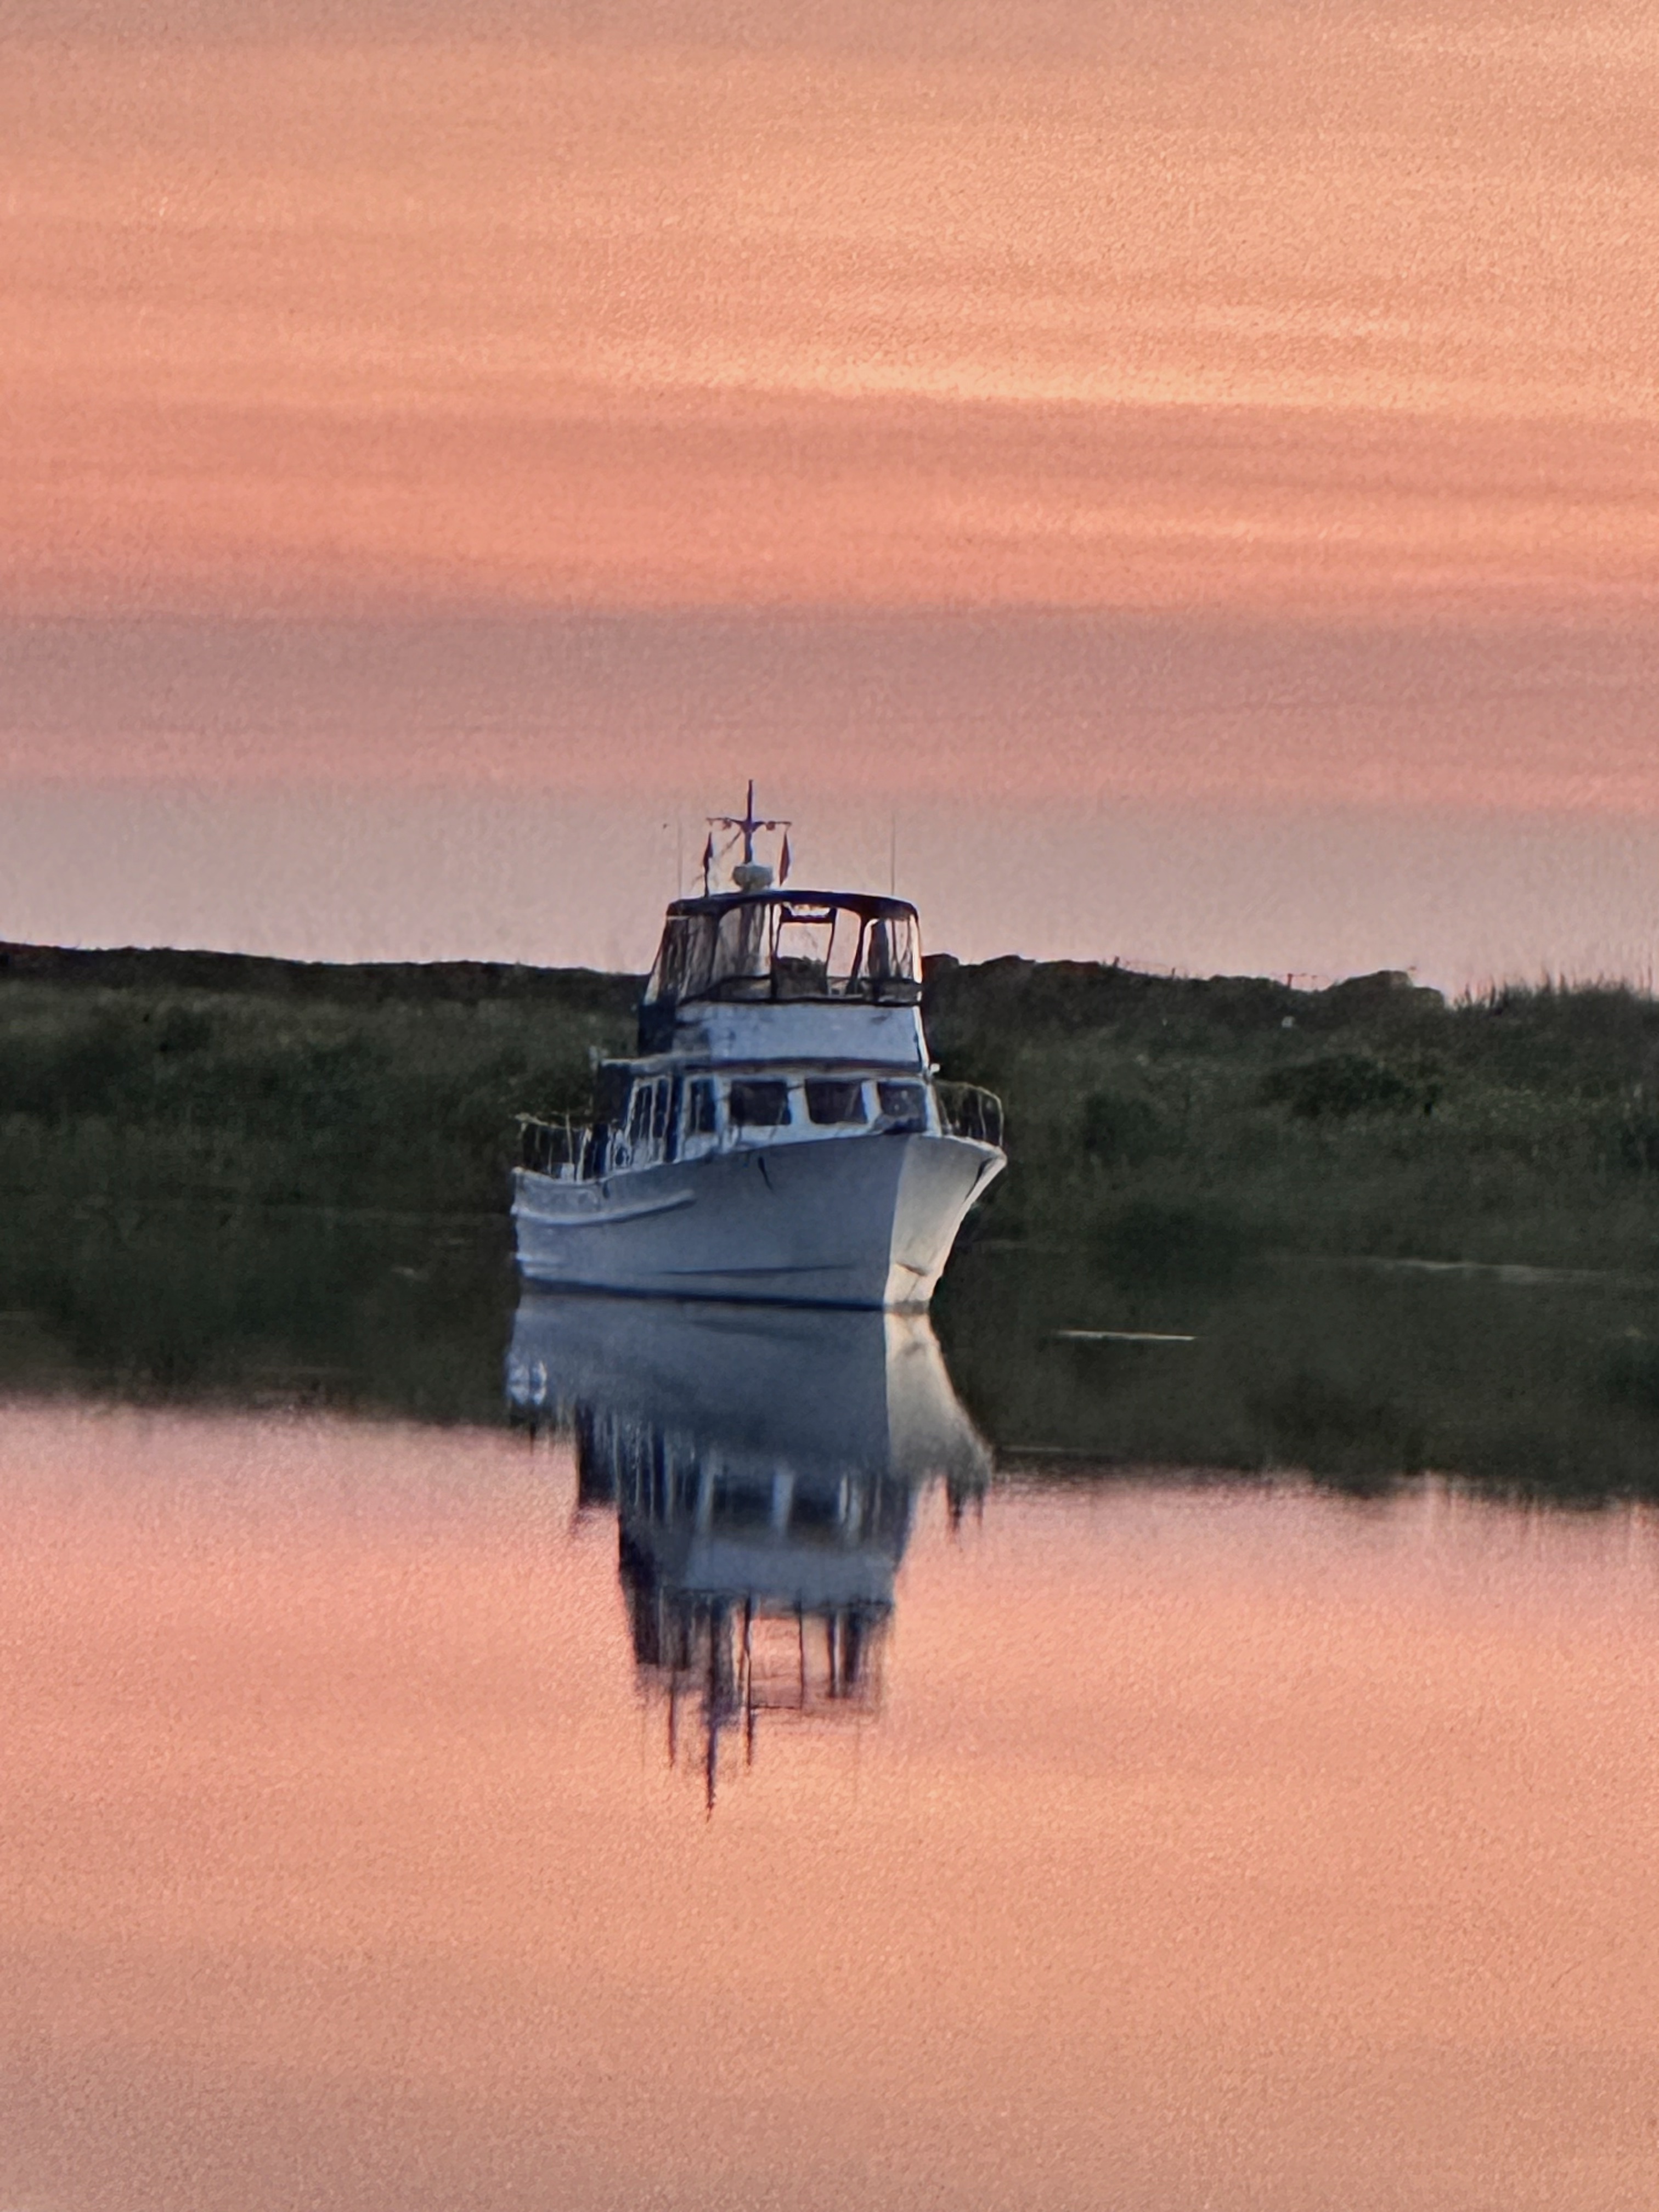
pixel 781 1134
pixel 763 1464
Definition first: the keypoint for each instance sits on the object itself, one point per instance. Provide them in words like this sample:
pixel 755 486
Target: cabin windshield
pixel 782 946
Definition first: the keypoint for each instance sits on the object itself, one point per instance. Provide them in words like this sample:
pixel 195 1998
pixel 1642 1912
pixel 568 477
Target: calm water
pixel 722 1788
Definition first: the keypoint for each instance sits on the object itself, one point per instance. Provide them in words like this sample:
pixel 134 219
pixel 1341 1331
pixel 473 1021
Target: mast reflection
pixel 763 1465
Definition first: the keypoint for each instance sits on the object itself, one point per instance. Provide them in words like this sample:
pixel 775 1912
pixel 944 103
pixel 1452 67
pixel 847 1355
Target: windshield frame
pixel 727 948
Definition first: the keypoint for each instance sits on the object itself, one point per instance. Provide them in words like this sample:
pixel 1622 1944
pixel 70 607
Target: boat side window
pixel 835 1102
pixel 660 1111
pixel 903 1106
pixel 759 1104
pixel 699 1117
pixel 639 1119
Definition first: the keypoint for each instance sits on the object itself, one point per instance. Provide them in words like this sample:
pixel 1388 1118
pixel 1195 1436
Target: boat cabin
pixel 649 1115
pixel 766 945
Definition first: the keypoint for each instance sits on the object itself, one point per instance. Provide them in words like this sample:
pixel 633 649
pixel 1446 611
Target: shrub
pixel 1338 1084
pixel 1639 1136
pixel 1632 1376
pixel 1119 1131
pixel 179 1029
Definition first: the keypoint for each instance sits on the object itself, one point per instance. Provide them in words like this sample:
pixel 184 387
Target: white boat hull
pixel 853 1221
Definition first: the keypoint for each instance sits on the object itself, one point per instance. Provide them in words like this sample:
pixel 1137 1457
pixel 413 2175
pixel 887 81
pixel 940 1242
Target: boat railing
pixel 562 1147
pixel 965 1111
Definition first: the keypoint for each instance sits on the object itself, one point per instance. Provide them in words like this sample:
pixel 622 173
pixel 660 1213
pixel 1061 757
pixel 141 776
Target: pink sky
pixel 1306 352
pixel 1266 307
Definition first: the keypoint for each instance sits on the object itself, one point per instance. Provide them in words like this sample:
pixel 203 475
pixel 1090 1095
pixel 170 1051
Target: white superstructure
pixel 781 1135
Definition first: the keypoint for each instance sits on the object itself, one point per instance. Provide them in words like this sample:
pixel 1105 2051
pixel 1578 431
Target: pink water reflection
pixel 1248 1849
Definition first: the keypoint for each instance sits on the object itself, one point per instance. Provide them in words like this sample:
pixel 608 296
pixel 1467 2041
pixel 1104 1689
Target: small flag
pixel 707 861
pixel 783 861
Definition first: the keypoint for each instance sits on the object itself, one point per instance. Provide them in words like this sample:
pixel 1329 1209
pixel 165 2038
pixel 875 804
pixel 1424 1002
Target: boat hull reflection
pixel 763 1466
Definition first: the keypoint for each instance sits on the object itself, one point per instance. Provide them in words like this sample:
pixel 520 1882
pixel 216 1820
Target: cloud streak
pixel 1261 309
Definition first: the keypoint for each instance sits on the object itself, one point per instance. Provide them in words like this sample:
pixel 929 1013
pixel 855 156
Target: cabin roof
pixel 869 904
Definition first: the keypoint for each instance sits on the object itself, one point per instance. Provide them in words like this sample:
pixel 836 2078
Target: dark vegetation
pixel 1361 1375
pixel 231 1177
pixel 1370 1119
pixel 260 1305
pixel 158 1075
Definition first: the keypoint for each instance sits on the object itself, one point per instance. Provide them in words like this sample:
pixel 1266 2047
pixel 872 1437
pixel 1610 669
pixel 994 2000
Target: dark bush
pixel 180 1029
pixel 1639 1137
pixel 1343 1083
pixel 1634 1374
pixel 77 1071
pixel 1118 1131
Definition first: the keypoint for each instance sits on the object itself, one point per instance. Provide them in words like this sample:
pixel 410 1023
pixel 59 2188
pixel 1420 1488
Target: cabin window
pixel 836 1101
pixel 639 1118
pixel 700 1118
pixel 903 1105
pixel 740 951
pixel 892 964
pixel 659 1112
pixel 773 946
pixel 675 959
pixel 758 1104
pixel 800 955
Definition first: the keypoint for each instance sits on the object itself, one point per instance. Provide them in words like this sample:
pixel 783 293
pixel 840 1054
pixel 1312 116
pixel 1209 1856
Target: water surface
pixel 1166 1844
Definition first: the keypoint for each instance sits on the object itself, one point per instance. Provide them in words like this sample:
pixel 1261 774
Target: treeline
pixel 1157 1122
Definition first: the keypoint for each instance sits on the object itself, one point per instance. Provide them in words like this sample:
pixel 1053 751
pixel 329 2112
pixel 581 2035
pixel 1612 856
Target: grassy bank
pixel 1167 1127
pixel 137 1076
pixel 1173 1128
pixel 250 1180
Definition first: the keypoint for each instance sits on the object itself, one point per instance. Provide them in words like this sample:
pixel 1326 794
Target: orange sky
pixel 1345 310
pixel 1303 350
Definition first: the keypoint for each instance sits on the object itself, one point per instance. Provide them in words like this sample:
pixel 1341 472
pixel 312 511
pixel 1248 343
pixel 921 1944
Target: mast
pixel 749 874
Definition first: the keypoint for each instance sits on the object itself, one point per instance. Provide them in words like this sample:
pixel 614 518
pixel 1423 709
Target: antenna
pixel 749 874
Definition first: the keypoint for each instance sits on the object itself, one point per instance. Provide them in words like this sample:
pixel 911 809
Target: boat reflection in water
pixel 763 1464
